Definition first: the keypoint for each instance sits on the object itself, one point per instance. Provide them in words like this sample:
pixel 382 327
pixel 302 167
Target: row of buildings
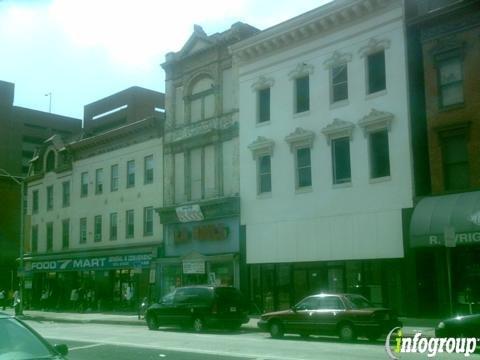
pixel 336 151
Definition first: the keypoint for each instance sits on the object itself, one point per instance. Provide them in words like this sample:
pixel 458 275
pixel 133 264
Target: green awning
pixel 435 213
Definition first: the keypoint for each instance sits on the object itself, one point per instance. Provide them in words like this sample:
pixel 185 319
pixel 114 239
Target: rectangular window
pixel 98 228
pixel 376 72
pixel 130 173
pixel 66 193
pixel 339 79
pixel 65 233
pixel 264 105
pixel 83 230
pixel 341 160
pixel 148 221
pixel 129 222
pixel 34 239
pixel 84 184
pixel 35 201
pixel 98 181
pixel 451 82
pixel 49 236
pixel 304 168
pixel 113 226
pixel 148 169
pixel 114 178
pixel 264 174
pixel 379 154
pixel 302 94
pixel 50 197
pixel 456 172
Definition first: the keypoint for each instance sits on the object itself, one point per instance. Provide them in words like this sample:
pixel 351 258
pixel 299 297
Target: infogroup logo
pixel 396 344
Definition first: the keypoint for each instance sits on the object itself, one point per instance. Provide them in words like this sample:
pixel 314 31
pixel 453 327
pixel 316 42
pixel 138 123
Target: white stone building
pixel 325 156
pixel 91 204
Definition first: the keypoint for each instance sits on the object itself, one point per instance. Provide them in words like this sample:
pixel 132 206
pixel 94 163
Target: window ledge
pixel 304 190
pixel 376 94
pixel 342 185
pixel 264 195
pixel 263 123
pixel 301 114
pixel 339 104
pixel 380 179
pixel 451 107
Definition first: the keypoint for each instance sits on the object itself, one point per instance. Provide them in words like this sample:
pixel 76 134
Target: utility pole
pixel 19 180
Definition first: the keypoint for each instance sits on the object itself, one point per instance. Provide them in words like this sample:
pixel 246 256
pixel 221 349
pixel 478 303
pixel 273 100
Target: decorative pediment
pixel 300 137
pixel 261 146
pixel 373 46
pixel 337 129
pixel 375 120
pixel 337 58
pixel 262 83
pixel 300 70
pixel 198 41
pixel 56 141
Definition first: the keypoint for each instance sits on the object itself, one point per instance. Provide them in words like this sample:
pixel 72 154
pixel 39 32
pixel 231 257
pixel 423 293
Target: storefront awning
pixel 434 214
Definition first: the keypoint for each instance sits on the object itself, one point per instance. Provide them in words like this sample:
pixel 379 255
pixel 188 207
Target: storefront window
pixel 221 273
pixel 373 282
pixel 172 278
pixel 268 282
pixel 283 286
pixel 256 289
pixel 353 277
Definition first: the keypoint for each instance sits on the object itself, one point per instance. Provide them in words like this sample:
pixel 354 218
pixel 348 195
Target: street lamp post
pixel 19 180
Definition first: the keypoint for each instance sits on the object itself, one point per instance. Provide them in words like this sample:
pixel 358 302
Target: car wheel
pixel 152 322
pixel 276 330
pixel 198 325
pixel 346 332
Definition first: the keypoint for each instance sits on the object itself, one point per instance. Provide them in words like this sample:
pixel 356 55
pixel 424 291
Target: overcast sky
pixel 84 50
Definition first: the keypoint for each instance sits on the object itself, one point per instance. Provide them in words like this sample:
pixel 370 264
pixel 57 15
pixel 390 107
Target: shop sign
pixel 475 218
pixel 188 213
pixel 449 235
pixel 210 232
pixel 459 239
pixel 94 263
pixel 193 266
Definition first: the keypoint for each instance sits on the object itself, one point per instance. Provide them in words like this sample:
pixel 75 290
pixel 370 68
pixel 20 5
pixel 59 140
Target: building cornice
pixel 309 25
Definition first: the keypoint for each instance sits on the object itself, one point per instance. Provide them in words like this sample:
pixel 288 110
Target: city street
pixel 99 341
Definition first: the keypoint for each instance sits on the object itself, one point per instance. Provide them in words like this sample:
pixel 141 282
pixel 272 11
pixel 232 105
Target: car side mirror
pixel 294 309
pixel 62 349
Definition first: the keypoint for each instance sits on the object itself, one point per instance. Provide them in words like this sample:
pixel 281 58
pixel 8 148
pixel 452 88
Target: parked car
pixel 19 341
pixel 199 307
pixel 345 315
pixel 459 326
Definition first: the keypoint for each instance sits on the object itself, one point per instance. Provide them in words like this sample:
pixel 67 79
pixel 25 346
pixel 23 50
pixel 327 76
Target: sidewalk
pixel 410 325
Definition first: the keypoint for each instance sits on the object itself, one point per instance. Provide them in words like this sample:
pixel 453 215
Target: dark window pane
pixel 376 72
pixel 455 163
pixel 265 177
pixel 341 160
pixel 379 154
pixel 302 94
pixel 264 105
pixel 304 167
pixel 339 83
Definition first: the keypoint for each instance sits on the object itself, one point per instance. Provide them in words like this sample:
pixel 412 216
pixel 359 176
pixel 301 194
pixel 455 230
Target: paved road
pixel 105 342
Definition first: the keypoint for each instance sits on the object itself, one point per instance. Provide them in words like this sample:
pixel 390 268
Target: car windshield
pixel 358 302
pixel 18 342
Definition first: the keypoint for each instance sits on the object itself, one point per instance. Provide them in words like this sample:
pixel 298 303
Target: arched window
pixel 50 165
pixel 202 105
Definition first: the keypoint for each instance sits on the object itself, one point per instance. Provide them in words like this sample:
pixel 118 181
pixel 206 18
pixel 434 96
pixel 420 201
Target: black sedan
pixel 20 342
pixel 460 326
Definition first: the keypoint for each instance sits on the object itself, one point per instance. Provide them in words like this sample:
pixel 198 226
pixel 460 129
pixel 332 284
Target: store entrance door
pixel 194 279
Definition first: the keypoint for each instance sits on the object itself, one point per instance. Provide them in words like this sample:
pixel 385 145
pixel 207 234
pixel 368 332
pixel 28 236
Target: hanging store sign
pixel 92 263
pixel 193 266
pixel 189 213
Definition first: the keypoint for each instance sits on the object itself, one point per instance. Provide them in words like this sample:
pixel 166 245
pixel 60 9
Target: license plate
pixel 233 309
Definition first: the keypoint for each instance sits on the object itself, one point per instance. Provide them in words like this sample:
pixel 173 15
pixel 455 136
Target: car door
pixel 297 319
pixel 325 317
pixel 165 310
pixel 182 305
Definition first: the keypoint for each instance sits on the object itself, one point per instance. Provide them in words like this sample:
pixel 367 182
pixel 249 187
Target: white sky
pixel 84 50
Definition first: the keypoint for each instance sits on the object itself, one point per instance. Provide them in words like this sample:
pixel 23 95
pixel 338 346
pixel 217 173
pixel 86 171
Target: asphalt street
pixel 105 342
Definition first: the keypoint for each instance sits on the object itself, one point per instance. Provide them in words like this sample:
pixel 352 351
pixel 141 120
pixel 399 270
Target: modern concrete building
pixel 201 210
pixel 22 131
pixel 444 243
pixel 91 204
pixel 325 159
